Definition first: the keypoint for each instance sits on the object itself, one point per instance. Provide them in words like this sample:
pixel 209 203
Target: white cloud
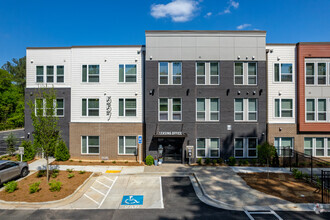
pixel 231 4
pixel 208 14
pixel 243 26
pixel 177 10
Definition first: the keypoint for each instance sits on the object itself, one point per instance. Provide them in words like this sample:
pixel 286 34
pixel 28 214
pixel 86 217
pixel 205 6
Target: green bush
pixel 199 161
pixel 69 170
pixel 214 162
pixel 231 161
pixel 220 161
pixel 80 161
pixel 253 162
pixel 266 153
pixel 41 173
pixel 207 161
pixel 126 161
pixel 240 162
pixel 34 187
pixel 70 175
pixel 297 173
pixel 55 186
pixel 55 171
pixel 54 175
pixel 102 161
pixel 10 186
pixel 11 141
pixel 149 160
pixel 245 162
pixel 61 152
pixel 29 151
pixel 114 162
pixel 82 171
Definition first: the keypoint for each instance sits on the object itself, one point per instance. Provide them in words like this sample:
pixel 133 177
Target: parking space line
pixel 91 199
pixel 161 192
pixel 108 178
pixel 97 191
pixel 106 195
pixel 103 184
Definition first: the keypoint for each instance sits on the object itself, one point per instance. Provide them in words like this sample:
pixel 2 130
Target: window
pixel 321 74
pixel 211 113
pixel 50 74
pixel 283 108
pixel 170 109
pixel 214 73
pixel 60 74
pixel 208 147
pixel 177 73
pixel 127 73
pixel 163 73
pixel 310 110
pixel 90 144
pixel 127 107
pixel 200 73
pixel 40 74
pixel 321 109
pixel 59 107
pixel 127 145
pixel 39 107
pixel 310 73
pixel 90 107
pixel 245 147
pixel 318 147
pixel 90 73
pixel 283 74
pixel 245 73
pixel 246 109
pixel 284 146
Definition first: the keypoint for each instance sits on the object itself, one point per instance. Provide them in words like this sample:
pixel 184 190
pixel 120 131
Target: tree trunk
pixel 267 169
pixel 47 167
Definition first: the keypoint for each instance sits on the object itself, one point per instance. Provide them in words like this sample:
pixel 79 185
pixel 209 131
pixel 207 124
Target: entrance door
pixel 172 149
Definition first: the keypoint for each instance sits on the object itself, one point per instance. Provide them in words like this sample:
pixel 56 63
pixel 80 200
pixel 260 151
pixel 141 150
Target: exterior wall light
pixel 150 57
pixel 238 92
pixel 238 57
pixel 253 57
pixel 31 61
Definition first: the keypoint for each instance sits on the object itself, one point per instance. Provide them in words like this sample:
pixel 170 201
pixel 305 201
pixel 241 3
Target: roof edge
pixel 95 46
pixel 201 31
pixel 280 44
pixel 312 43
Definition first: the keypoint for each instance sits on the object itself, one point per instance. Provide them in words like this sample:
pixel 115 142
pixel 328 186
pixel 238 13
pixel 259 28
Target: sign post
pixel 21 152
pixel 140 148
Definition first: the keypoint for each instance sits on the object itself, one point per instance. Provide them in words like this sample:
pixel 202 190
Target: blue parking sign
pixel 140 139
pixel 132 200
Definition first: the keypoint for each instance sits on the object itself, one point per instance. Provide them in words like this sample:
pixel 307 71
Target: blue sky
pixel 38 23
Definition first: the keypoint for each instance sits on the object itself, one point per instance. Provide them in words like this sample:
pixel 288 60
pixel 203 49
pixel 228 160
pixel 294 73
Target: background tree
pixel 11 141
pixel 45 123
pixel 17 68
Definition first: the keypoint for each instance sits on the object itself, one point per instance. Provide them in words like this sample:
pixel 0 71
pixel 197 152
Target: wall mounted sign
pixel 108 108
pixel 169 133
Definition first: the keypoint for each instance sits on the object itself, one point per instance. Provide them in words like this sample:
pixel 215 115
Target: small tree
pixel 61 152
pixel 44 121
pixel 11 141
pixel 266 152
pixel 29 151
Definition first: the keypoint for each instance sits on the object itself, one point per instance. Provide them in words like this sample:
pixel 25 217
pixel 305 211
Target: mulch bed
pixel 98 163
pixel 22 194
pixel 283 185
pixel 14 158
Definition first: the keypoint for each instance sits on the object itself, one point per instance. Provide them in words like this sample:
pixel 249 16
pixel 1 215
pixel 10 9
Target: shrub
pixel 102 161
pixel 29 151
pixel 245 162
pixel 70 175
pixel 82 171
pixel 10 186
pixel 54 175
pixel 71 160
pixel 55 186
pixel 297 173
pixel 126 161
pixel 266 152
pixel 69 170
pixel 253 162
pixel 207 161
pixel 55 171
pixel 11 141
pixel 240 162
pixel 220 161
pixel 231 161
pixel 61 152
pixel 149 160
pixel 199 161
pixel 114 162
pixel 41 173
pixel 80 161
pixel 214 162
pixel 34 187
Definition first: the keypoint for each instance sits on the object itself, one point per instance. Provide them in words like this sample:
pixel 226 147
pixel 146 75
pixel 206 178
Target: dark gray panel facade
pixel 63 122
pixel 226 91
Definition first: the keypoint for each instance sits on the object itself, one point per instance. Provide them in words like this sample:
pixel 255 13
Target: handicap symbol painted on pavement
pixel 132 200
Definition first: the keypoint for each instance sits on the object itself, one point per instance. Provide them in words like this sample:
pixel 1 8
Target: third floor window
pixel 90 73
pixel 170 73
pixel 127 73
pixel 245 73
pixel 207 73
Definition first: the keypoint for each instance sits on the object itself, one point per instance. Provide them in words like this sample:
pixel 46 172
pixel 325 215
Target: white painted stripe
pixel 102 184
pixel 270 212
pixel 97 191
pixel 279 217
pixel 248 214
pixel 91 199
pixel 108 178
pixel 106 195
pixel 161 192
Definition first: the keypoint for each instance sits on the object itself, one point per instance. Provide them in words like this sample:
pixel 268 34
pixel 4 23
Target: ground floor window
pixel 127 145
pixel 90 144
pixel 245 147
pixel 284 146
pixel 208 147
pixel 318 147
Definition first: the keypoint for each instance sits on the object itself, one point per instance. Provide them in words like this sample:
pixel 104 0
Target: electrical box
pixel 189 151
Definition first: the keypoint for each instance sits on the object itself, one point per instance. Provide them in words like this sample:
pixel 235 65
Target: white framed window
pixel 201 110
pixel 59 107
pixel 214 73
pixel 214 109
pixel 310 110
pixel 317 110
pixel 163 73
pixel 284 146
pixel 127 145
pixel 321 110
pixel 90 145
pixel 127 107
pixel 207 73
pixel 207 109
pixel 283 72
pixel 200 73
pixel 208 148
pixel 43 108
pixel 39 107
pixel 60 74
pixel 310 73
pixel 90 107
pixel 245 147
pixel 317 146
pixel 316 73
pixel 283 108
pixel 321 73
pixel 40 74
pixel 176 73
pixel 127 73
pixel 90 73
pixel 169 109
pixel 50 74
pixel 245 109
pixel 245 73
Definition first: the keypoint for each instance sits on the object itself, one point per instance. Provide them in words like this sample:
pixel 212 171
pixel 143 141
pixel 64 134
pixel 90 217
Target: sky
pixel 57 23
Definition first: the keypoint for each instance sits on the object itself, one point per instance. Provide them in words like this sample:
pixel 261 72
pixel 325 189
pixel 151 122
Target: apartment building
pixel 206 90
pixel 99 97
pixel 299 98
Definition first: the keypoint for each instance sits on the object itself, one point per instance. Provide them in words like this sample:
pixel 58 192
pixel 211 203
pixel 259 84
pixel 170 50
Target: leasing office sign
pixel 169 133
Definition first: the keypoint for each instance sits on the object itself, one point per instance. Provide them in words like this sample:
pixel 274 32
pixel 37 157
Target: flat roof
pixel 95 46
pixel 281 44
pixel 201 31
pixel 312 43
